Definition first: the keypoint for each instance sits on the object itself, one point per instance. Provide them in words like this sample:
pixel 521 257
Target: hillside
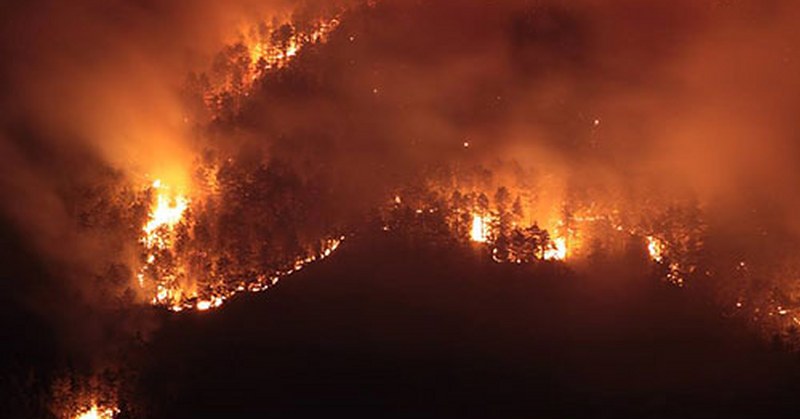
pixel 396 328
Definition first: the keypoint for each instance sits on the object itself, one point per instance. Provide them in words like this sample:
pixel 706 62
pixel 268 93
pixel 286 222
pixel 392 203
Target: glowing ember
pixel 97 412
pixel 480 230
pixel 557 249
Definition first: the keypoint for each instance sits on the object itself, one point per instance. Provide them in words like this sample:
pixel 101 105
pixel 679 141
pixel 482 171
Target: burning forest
pixel 161 162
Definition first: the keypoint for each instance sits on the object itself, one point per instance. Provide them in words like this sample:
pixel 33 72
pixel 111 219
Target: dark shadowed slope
pixel 390 328
pixel 27 345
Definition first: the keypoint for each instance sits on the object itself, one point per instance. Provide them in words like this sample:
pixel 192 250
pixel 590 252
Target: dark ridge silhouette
pixel 28 352
pixel 387 327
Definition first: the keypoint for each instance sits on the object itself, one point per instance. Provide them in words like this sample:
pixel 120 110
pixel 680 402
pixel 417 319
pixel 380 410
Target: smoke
pixel 630 100
pixel 108 74
pixel 92 111
pixel 622 106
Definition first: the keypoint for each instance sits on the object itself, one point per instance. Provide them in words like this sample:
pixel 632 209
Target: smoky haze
pixel 91 112
pixel 631 99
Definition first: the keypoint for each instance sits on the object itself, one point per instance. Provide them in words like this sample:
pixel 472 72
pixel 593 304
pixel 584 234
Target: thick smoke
pixel 92 112
pixel 630 100
pixel 664 99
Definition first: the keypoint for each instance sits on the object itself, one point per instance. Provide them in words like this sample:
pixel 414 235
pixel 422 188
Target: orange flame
pixel 97 412
pixel 655 248
pixel 557 250
pixel 480 229
pixel 167 212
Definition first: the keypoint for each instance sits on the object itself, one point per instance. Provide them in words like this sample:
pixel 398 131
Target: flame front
pixel 256 51
pixel 166 278
pixel 97 412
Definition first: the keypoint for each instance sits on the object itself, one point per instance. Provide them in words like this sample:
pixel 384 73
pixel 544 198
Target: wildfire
pixel 96 411
pixel 480 229
pixel 255 51
pixel 165 214
pixel 267 54
pixel 262 282
pixel 166 276
pixel 204 305
pixel 158 235
pixel 655 248
pixel 557 250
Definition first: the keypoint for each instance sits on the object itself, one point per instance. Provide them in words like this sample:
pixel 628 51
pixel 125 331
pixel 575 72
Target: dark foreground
pixel 392 329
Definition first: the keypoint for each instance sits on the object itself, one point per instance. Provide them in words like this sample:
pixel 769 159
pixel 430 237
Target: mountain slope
pixel 386 327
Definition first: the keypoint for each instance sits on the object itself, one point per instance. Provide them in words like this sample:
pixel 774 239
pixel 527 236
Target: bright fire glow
pixel 558 250
pixel 158 234
pixel 269 54
pixel 480 230
pixel 166 212
pixel 163 275
pixel 97 412
pixel 655 248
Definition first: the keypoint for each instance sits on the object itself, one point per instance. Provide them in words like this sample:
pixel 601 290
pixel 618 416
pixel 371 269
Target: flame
pixel 97 412
pixel 655 248
pixel 164 276
pixel 167 212
pixel 164 273
pixel 257 50
pixel 480 233
pixel 480 229
pixel 557 250
pixel 259 284
pixel 268 55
